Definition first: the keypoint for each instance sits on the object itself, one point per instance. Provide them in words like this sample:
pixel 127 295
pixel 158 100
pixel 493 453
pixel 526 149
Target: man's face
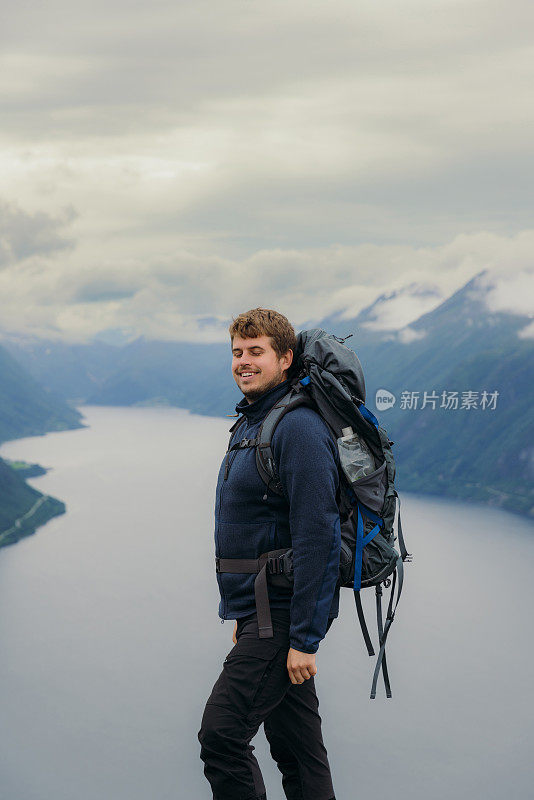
pixel 256 367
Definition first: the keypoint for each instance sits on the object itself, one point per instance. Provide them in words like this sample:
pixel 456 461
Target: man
pixel 270 680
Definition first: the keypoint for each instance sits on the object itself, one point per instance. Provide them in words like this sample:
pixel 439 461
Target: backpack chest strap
pixel 243 444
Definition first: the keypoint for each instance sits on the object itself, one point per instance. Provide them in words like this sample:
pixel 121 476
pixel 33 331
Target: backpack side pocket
pixel 371 489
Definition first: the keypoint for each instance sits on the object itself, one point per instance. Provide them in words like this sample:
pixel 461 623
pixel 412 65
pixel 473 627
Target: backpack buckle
pixel 280 565
pixel 275 565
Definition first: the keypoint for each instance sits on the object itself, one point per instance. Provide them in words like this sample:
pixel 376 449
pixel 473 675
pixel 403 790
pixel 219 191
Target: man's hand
pixel 301 666
pixel 234 640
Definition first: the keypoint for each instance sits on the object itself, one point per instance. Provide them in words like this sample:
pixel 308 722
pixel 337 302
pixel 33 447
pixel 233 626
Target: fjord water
pixel 111 641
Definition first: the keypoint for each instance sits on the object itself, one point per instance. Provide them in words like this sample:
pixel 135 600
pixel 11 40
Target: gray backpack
pixel 327 376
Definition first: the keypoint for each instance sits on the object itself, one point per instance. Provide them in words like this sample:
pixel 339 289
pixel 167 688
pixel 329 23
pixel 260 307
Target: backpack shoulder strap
pixel 234 427
pixel 264 454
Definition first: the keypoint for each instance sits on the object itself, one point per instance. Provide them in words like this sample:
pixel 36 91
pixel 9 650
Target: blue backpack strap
pixel 368 415
pixel 362 540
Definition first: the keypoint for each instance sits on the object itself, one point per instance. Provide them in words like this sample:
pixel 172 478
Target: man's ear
pixel 288 359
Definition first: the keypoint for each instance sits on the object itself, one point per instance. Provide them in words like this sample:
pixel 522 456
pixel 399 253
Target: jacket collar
pixel 257 410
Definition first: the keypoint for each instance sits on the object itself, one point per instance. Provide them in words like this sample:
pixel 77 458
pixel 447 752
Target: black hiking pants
pixel 254 687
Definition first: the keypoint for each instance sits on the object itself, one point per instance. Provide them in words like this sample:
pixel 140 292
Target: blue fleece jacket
pixel 251 519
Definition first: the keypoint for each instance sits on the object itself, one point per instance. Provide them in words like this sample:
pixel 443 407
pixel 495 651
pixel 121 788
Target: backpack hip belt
pixel 274 562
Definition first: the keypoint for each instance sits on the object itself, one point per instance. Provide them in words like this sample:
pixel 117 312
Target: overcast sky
pixel 166 165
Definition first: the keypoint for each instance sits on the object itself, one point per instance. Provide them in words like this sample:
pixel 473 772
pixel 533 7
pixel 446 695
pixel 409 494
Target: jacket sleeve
pixel 305 455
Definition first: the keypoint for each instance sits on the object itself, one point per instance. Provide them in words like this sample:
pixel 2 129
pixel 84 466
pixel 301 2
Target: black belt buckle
pixel 217 564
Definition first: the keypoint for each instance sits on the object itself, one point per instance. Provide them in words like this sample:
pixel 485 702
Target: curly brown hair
pixel 265 322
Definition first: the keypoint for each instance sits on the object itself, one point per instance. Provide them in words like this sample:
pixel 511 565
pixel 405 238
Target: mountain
pixel 72 371
pixel 390 311
pixel 141 372
pixel 26 408
pixel 483 454
pixel 460 346
pixel 445 344
pixel 426 349
pixel 193 376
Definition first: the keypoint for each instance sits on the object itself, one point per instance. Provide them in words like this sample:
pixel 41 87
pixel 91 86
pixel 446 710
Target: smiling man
pixel 268 676
pixel 256 366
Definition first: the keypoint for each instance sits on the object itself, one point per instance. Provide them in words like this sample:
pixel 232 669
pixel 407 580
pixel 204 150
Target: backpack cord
pixel 399 571
pixel 380 635
pixel 383 630
pixel 268 487
pixel 363 624
pixel 405 555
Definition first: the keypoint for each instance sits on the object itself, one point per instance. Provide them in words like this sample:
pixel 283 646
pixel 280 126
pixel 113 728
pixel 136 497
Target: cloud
pixel 187 296
pixel 527 332
pixel 398 308
pixel 408 335
pixel 180 60
pixel 101 290
pixel 24 234
pixel 293 153
pixel 505 289
pixel 400 123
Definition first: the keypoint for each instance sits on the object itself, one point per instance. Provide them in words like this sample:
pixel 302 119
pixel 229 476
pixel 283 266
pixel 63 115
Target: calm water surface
pixel 111 642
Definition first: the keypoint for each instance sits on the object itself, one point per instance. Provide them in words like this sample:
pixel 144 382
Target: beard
pixel 257 391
